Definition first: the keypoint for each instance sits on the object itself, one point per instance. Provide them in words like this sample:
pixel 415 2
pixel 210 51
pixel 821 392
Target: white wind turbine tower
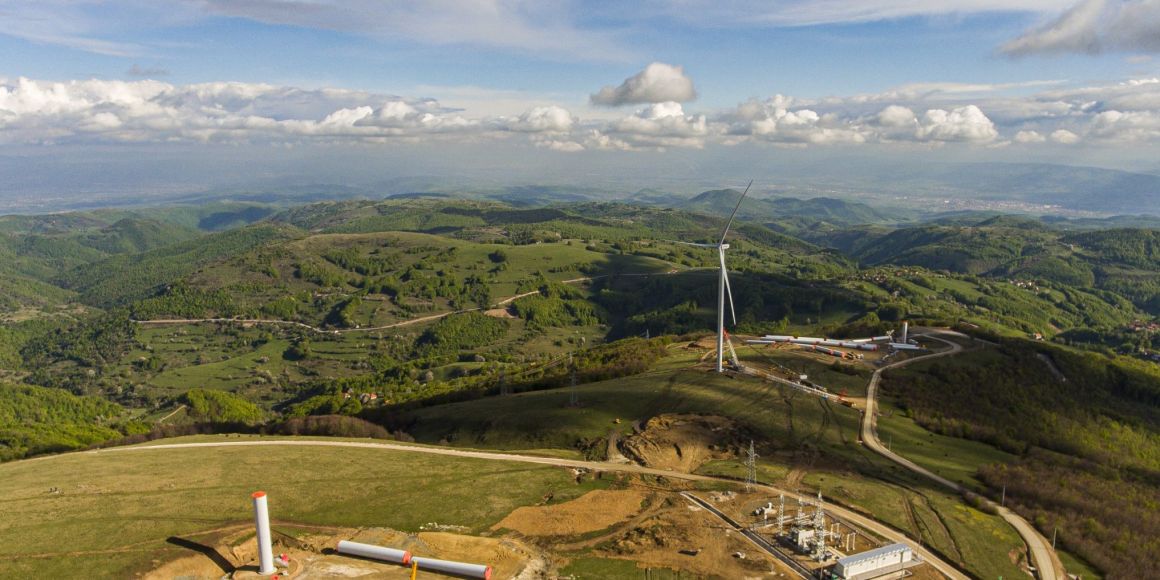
pixel 723 291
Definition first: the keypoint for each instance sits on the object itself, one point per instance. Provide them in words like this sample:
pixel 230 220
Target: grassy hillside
pixel 193 492
pixel 1087 439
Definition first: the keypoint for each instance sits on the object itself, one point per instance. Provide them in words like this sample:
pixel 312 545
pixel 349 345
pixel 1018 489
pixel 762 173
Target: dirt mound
pixel 682 442
pixel 593 511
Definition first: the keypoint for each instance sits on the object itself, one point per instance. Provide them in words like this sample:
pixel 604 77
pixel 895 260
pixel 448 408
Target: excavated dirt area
pixel 684 537
pixel 499 313
pixel 312 555
pixel 593 511
pixel 682 442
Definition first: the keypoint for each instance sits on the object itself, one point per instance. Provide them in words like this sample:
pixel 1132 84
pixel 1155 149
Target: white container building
pixel 874 563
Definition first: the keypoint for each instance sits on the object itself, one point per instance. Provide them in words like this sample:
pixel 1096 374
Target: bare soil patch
pixel 682 442
pixel 686 538
pixel 591 512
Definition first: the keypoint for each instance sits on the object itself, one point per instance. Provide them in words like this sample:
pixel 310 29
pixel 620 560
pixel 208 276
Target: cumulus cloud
pixel 661 125
pixel 40 111
pixel 1121 126
pixel 775 121
pixel 657 83
pixel 550 119
pixel 1094 27
pixel 1029 137
pixel 961 124
pixel 90 111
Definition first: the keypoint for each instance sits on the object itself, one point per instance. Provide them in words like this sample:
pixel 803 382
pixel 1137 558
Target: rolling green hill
pixel 37 420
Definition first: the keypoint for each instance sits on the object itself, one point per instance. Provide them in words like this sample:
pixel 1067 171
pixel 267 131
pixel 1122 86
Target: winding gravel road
pixel 1045 558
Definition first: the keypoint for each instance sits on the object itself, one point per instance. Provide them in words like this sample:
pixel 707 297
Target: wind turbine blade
pixel 728 224
pixel 690 244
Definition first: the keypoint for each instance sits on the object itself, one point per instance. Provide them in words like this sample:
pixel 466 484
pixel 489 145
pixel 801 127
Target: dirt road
pixel 877 527
pixel 408 322
pixel 1045 559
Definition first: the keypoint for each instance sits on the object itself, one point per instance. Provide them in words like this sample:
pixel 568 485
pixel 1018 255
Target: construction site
pixel 718 534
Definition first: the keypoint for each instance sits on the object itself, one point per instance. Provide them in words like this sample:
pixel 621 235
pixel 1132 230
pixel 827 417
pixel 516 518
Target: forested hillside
pixel 1120 261
pixel 37 420
pixel 1087 439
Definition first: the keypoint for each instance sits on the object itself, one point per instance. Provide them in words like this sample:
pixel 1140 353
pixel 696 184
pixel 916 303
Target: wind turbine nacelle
pixel 724 246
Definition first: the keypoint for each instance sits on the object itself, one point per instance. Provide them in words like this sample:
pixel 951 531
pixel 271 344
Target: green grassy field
pixel 602 568
pixel 953 458
pixel 821 373
pixel 785 417
pixel 115 510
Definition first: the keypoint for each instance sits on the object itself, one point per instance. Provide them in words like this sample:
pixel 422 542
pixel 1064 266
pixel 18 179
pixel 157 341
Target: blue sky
pixel 1052 80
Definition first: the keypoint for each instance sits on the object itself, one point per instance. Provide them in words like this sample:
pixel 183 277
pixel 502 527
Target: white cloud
pixel 657 83
pixel 91 111
pixel 1064 136
pixel 775 121
pixel 1093 27
pixel 661 125
pixel 1125 127
pixel 896 116
pixel 40 111
pixel 561 146
pixel 1029 137
pixel 961 124
pixel 550 119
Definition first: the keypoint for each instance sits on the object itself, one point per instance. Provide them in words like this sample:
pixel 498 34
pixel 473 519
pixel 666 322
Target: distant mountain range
pixel 1078 188
pixel 873 190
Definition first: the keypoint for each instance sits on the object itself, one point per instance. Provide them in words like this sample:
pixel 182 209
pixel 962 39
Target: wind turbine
pixel 723 289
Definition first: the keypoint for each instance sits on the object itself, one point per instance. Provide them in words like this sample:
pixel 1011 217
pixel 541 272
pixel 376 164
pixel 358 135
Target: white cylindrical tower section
pixel 905 332
pixel 456 568
pixel 262 523
pixel 374 552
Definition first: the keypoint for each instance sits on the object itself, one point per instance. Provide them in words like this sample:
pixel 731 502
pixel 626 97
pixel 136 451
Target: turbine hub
pixel 724 246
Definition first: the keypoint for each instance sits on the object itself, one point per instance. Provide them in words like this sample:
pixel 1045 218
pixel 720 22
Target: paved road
pixel 1045 558
pixel 862 521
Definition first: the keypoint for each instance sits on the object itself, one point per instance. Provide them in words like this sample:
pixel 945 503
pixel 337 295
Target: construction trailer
pixel 875 563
